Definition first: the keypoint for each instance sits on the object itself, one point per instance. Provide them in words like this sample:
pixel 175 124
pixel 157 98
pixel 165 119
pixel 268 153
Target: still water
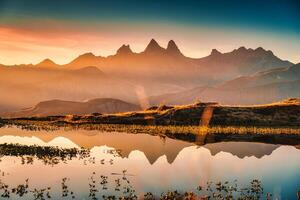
pixel 121 164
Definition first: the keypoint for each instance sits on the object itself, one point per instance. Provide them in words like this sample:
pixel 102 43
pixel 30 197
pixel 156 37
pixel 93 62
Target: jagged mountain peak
pixel 258 50
pixel 173 48
pixel 215 52
pixel 153 47
pixel 153 42
pixel 124 50
pixel 241 49
pixel 261 50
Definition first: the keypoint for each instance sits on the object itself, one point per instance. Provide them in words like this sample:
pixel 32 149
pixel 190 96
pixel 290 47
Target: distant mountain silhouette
pixel 262 87
pixel 153 48
pixel 161 62
pixel 84 60
pixel 244 96
pixel 173 49
pixel 59 107
pixel 157 74
pixel 239 62
pixel 124 50
pixel 278 75
pixel 47 63
pixel 28 86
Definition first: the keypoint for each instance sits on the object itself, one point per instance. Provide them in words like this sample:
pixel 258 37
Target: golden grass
pixel 154 129
pixel 195 130
pixel 157 130
pixel 249 130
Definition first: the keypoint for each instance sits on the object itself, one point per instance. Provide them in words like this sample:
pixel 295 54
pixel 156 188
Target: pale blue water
pixel 152 164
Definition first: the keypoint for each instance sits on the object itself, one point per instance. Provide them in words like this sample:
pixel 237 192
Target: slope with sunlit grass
pixel 281 114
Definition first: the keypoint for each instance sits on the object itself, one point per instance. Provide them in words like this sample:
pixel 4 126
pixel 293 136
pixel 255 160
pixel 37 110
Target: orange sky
pixel 62 42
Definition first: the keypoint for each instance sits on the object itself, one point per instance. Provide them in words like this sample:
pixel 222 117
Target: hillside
pixel 262 87
pixel 280 114
pixel 241 61
pixel 284 113
pixel 278 75
pixel 28 86
pixel 239 96
pixel 59 107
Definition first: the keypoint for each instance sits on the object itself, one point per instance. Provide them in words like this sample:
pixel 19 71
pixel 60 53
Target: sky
pixel 32 30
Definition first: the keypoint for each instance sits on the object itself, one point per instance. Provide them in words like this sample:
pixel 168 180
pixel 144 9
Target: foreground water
pixel 120 164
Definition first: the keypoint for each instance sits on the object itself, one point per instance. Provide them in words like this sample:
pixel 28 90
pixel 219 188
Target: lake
pixel 123 164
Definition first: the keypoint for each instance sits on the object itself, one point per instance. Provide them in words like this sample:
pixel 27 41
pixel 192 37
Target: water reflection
pixel 138 163
pixel 152 147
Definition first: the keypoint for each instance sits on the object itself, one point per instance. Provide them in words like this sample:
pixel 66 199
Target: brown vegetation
pixel 281 114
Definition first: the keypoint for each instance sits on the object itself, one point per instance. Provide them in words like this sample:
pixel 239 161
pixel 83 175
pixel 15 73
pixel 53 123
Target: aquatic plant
pixel 221 190
pixel 49 155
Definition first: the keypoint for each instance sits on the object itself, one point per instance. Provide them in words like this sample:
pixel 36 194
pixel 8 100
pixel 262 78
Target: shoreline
pixel 201 123
pixel 199 135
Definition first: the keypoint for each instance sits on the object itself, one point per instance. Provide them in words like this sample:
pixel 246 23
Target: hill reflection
pixel 153 147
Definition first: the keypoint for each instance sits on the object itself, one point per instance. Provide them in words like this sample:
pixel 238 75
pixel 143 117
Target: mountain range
pixel 154 76
pixel 259 88
pixel 156 62
pixel 169 63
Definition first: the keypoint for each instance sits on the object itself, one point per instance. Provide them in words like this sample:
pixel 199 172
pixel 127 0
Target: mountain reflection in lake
pixel 120 164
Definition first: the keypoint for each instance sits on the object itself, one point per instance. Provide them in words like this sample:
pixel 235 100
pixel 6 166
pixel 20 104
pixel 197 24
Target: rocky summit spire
pixel 215 52
pixel 262 51
pixel 124 50
pixel 172 48
pixel 153 47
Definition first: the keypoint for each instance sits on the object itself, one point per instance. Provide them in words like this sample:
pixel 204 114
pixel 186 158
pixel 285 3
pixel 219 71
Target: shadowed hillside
pixel 59 107
pixel 278 114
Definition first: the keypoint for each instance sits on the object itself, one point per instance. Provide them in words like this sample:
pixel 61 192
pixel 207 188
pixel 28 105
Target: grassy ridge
pixel 282 114
pixel 276 123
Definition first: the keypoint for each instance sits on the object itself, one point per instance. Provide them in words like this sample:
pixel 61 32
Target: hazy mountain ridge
pixel 60 107
pixel 169 63
pixel 242 61
pixel 278 75
pixel 263 87
pixel 155 75
pixel 156 61
pixel 29 86
pixel 47 63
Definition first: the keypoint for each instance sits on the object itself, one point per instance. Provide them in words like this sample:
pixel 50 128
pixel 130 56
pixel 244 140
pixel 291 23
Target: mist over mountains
pixel 154 76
